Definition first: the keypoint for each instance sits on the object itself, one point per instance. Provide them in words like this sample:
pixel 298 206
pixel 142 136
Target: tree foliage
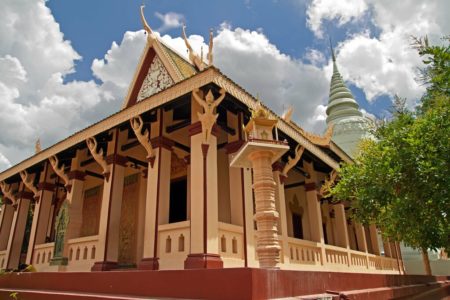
pixel 401 179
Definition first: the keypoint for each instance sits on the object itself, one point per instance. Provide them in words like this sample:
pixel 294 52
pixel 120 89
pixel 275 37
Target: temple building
pixel 192 173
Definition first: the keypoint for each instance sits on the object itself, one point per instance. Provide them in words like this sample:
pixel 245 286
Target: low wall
pixel 233 283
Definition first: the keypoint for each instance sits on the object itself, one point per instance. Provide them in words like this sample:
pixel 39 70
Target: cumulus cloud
pixel 4 162
pixel 342 11
pixel 250 60
pixel 169 21
pixel 383 63
pixel 35 100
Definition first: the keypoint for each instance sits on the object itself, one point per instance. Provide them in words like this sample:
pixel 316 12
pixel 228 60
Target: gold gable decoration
pixel 321 140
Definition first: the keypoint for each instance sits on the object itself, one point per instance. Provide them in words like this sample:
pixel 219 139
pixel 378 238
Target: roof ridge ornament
pixel 287 115
pixel 210 47
pixel 151 35
pixel 323 140
pixel 193 57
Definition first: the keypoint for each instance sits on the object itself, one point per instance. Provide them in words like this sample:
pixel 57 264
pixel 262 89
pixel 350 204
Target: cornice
pixel 154 101
pixel 183 87
pixel 292 130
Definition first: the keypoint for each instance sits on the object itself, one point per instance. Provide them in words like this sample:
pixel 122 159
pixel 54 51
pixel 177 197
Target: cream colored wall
pixel 223 186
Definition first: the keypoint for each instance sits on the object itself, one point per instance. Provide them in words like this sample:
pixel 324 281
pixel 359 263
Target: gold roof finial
pixel 259 111
pixel 37 146
pixel 193 57
pixel 210 49
pixel 151 35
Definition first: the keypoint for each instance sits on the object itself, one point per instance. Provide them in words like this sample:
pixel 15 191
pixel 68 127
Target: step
pixel 29 294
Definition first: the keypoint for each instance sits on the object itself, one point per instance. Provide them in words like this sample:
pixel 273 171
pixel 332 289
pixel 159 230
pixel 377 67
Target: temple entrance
pixel 26 236
pixel 297 226
pixel 128 222
pixel 91 211
pixel 178 200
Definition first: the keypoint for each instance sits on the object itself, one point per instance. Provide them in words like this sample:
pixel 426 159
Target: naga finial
pixel 259 111
pixel 37 146
pixel 193 57
pixel 210 49
pixel 151 35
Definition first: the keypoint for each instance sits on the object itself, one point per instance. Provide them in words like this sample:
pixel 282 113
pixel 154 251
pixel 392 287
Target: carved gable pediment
pixel 156 80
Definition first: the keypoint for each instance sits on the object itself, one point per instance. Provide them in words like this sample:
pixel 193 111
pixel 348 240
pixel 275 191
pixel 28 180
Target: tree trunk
pixel 426 261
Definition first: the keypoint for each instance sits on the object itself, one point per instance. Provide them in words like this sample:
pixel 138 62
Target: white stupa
pixel 349 124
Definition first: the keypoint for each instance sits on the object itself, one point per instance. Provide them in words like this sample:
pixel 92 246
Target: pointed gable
pixel 157 79
pixel 160 67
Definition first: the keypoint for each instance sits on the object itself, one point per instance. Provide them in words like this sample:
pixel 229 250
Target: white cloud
pixel 169 21
pixel 4 162
pixel 250 60
pixel 343 11
pixel 117 67
pixel 35 101
pixel 383 64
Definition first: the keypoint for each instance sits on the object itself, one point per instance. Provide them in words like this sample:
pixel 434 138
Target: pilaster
pixel 6 220
pixel 41 214
pixel 157 200
pixel 17 230
pixel 281 208
pixel 374 239
pixel 204 252
pixel 342 239
pixel 360 237
pixel 108 242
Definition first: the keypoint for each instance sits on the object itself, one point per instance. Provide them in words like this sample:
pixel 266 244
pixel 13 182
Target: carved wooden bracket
pixel 328 184
pixel 143 137
pixel 28 182
pixel 7 192
pixel 208 117
pixel 293 161
pixel 98 155
pixel 59 170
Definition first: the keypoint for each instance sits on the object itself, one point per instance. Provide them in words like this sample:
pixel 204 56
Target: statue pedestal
pixel 59 261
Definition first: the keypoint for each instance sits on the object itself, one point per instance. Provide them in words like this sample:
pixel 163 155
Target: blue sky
pixel 91 26
pixel 67 64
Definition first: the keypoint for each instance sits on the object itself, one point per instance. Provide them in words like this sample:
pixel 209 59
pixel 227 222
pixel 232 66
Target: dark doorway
pixel 325 235
pixel 178 200
pixel 297 226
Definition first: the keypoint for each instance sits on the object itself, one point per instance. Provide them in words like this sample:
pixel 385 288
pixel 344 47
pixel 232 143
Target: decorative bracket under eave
pixel 26 178
pixel 54 162
pixel 293 161
pixel 328 184
pixel 143 137
pixel 7 191
pixel 209 104
pixel 98 156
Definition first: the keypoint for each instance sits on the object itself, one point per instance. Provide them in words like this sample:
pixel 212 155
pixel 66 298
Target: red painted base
pixel 203 261
pixel 149 264
pixel 104 266
pixel 239 283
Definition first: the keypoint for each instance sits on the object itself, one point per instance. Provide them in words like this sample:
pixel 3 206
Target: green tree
pixel 400 180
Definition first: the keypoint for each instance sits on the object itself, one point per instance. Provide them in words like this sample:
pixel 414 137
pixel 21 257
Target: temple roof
pixel 341 104
pixel 185 68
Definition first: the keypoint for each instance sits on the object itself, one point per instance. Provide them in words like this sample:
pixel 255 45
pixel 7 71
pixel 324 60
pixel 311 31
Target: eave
pixel 183 87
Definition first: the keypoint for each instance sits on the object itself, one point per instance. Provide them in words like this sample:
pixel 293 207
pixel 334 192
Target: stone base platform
pixel 236 283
